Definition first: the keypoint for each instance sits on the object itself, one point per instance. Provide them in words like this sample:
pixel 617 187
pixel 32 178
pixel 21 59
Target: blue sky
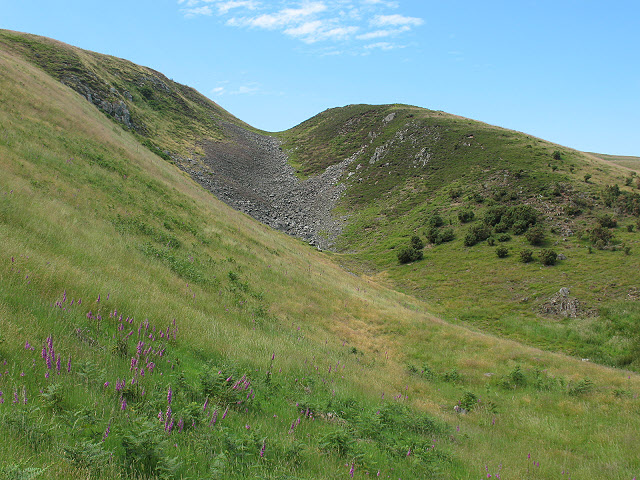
pixel 567 71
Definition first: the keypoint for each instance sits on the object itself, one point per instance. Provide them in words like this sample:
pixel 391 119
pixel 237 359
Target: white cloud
pixel 395 20
pixel 246 89
pixel 383 33
pixel 381 46
pixel 225 7
pixel 381 2
pixel 311 21
pixel 281 18
pixel 192 12
pixel 307 28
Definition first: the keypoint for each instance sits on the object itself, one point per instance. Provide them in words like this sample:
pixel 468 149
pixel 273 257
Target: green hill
pixel 467 189
pixel 149 331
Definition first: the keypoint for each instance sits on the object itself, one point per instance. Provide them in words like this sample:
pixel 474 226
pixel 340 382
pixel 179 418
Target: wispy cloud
pixel 223 89
pixel 396 20
pixel 381 46
pixel 313 21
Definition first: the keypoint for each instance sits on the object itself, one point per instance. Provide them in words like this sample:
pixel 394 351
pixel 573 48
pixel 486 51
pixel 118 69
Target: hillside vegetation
pixel 165 116
pixel 495 208
pixel 149 331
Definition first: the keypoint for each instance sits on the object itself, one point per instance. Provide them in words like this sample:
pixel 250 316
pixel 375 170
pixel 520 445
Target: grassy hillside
pixel 165 115
pixel 469 191
pixel 149 331
pixel 633 163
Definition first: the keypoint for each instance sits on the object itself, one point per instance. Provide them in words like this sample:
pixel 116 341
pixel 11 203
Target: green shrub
pixel 87 455
pixel 435 220
pixel 452 376
pixel 526 255
pixel 535 235
pixel 504 237
pixel 600 236
pixel 417 243
pixel 493 215
pixel 409 254
pixel 525 214
pixel 339 441
pixel 468 401
pixel 502 251
pixel 432 234
pixel 582 387
pixel 466 215
pixel 548 257
pixel 607 221
pixel 476 233
pixel 145 450
pixel 446 235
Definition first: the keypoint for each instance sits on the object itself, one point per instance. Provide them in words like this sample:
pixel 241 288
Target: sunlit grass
pixel 257 303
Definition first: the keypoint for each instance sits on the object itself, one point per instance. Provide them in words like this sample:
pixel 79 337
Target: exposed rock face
pixel 563 305
pixel 250 173
pixel 108 101
pixel 118 110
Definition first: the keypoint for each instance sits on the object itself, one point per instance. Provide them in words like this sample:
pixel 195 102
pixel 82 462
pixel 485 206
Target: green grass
pixel 340 371
pixel 167 116
pixel 412 163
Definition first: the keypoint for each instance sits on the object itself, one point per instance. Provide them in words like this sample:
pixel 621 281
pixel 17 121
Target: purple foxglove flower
pixel 106 432
pixel 169 395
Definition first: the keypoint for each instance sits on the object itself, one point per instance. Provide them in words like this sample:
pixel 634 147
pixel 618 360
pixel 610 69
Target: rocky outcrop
pixel 561 304
pixel 250 172
pixel 109 101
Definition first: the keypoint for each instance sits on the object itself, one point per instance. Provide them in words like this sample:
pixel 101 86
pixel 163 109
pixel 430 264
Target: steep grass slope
pixel 165 115
pixel 149 331
pixel 471 191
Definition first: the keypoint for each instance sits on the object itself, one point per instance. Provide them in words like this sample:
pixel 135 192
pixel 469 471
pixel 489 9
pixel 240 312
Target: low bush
pixel 535 235
pixel 435 220
pixel 548 257
pixel 409 254
pixel 466 215
pixel 600 236
pixel 417 243
pixel 526 255
pixel 502 251
pixel 475 234
pixel 607 221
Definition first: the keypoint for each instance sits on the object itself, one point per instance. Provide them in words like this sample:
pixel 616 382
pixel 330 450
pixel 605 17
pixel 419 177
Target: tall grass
pixel 279 363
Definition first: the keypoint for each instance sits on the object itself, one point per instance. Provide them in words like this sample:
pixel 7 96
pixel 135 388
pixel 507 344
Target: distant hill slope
pixel 471 191
pixel 167 116
pixel 149 331
pixel 625 161
pixel 371 177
